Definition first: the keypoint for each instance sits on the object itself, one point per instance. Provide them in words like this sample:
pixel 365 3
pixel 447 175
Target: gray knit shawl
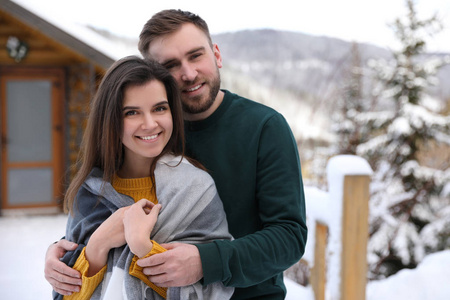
pixel 192 212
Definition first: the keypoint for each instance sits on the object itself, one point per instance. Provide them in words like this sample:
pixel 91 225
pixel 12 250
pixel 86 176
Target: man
pixel 250 152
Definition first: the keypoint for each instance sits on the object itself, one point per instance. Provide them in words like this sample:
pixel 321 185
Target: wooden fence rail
pixel 351 179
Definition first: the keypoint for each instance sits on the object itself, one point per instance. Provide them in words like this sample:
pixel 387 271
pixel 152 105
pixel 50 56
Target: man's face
pixel 188 56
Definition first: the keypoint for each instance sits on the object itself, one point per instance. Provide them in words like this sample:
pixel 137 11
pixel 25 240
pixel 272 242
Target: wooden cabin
pixel 48 74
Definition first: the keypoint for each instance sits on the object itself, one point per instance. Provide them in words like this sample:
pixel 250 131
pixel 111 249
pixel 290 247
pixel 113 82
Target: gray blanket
pixel 192 212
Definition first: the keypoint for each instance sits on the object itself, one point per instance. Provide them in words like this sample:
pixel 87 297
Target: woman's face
pixel 147 123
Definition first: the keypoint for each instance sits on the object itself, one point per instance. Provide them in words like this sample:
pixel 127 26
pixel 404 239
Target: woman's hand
pixel 139 221
pixel 110 234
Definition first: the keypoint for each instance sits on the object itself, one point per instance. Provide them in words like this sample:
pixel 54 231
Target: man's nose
pixel 188 73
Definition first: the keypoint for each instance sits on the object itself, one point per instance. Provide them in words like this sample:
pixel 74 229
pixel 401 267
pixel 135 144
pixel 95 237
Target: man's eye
pixel 170 66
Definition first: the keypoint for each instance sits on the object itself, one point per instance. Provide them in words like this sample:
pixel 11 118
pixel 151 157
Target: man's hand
pixel 63 278
pixel 179 266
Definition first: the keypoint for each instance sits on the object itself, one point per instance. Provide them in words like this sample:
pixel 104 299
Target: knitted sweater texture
pixel 249 150
pixel 191 213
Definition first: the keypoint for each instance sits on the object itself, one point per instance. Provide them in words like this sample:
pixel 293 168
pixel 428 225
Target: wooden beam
pixel 54 33
pixel 355 231
pixel 318 272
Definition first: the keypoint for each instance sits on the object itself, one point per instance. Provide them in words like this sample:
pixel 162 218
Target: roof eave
pixel 29 18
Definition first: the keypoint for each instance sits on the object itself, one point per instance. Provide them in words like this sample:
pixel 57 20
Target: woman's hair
pixel 166 22
pixel 101 145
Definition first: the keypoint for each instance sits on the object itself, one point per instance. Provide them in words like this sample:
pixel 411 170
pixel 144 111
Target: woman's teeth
pixel 147 138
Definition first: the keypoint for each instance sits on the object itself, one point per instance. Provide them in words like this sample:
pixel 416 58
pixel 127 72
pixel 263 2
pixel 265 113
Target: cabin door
pixel 31 137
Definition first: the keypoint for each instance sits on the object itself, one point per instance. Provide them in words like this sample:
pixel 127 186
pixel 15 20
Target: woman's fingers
pixel 147 205
pixel 155 211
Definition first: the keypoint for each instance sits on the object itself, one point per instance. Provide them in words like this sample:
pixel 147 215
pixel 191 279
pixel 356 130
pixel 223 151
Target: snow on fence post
pixel 348 180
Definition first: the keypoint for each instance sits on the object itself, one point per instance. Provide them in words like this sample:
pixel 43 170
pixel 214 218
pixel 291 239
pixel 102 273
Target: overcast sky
pixel 353 20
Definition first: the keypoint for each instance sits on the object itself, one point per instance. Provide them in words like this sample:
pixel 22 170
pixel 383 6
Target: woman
pixel 132 164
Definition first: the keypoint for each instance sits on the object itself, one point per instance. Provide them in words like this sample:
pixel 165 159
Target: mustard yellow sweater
pixel 137 188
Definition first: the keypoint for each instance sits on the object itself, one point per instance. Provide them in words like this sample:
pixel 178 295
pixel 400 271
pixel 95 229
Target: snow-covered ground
pixel 24 241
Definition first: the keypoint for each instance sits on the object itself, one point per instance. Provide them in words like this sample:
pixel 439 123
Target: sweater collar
pixel 214 117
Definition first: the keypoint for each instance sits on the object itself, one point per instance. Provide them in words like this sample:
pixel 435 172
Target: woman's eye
pixel 130 113
pixel 161 108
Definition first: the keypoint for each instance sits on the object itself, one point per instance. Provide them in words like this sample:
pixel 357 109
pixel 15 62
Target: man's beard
pixel 196 106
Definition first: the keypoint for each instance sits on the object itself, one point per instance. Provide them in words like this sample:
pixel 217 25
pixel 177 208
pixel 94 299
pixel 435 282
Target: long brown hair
pixel 101 145
pixel 166 22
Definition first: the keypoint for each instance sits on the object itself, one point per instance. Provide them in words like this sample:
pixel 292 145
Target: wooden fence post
pixel 355 233
pixel 318 272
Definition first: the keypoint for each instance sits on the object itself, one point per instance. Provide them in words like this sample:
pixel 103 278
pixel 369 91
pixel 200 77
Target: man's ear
pixel 217 55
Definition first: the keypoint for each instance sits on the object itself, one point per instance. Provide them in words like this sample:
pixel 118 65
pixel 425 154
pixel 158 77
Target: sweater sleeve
pixel 89 284
pixel 281 239
pixel 136 270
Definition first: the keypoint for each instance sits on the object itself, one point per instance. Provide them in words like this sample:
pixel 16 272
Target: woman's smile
pixel 148 138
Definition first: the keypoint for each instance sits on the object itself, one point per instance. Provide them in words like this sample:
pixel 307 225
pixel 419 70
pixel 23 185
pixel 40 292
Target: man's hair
pixel 166 22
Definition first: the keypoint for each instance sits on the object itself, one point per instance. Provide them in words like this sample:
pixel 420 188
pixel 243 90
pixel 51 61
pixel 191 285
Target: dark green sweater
pixel 250 151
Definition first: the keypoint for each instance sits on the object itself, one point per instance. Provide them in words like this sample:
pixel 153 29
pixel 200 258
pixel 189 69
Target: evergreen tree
pixel 349 105
pixel 410 206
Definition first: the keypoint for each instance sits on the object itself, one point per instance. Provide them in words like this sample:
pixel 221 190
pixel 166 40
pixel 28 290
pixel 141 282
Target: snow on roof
pixel 112 49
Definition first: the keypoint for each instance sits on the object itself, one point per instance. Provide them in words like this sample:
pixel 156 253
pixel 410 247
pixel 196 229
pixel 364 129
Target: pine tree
pixel 410 206
pixel 349 106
